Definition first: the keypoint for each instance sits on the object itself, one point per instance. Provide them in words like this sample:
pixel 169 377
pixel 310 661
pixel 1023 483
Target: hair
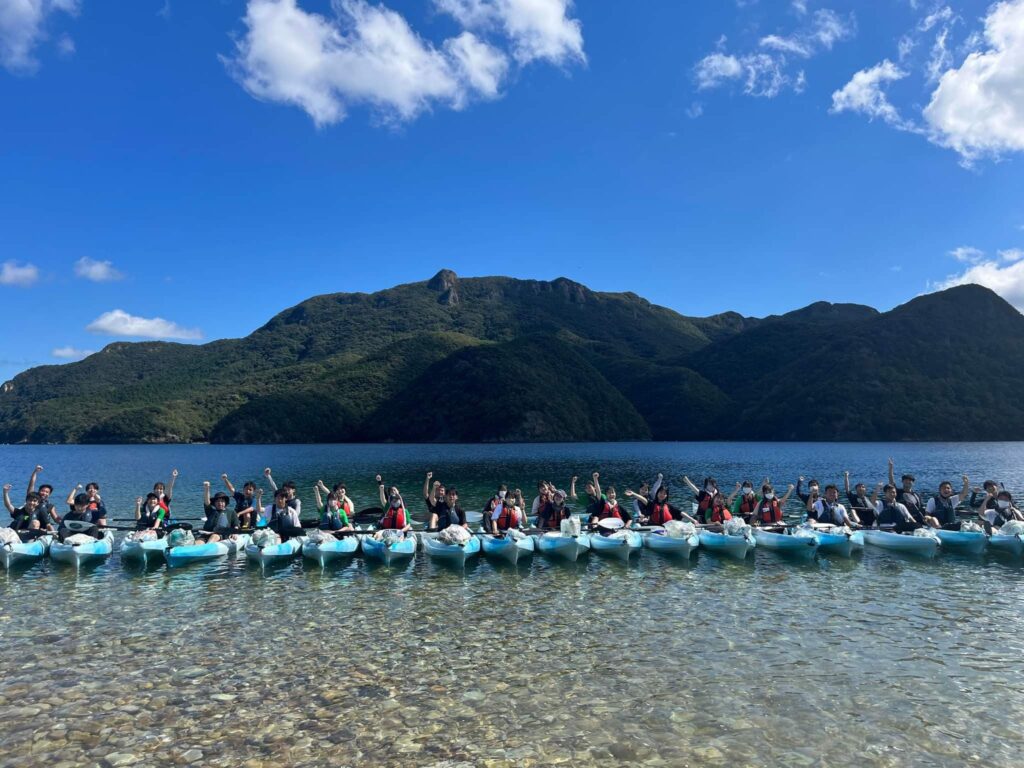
pixel 909 477
pixel 888 487
pixel 767 488
pixel 812 481
pixel 92 485
pixel 987 483
pixel 152 497
pixel 502 487
pixel 1006 493
pixel 660 489
pixel 290 485
pixel 33 496
pixel 710 480
pixel 610 489
pixel 946 482
pixel 46 487
pixel 452 491
pixel 249 484
pixel 281 493
pixel 831 487
pixel 748 482
pixel 339 487
pixel 718 498
pixel 158 484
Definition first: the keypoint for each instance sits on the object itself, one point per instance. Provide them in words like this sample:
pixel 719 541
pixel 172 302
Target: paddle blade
pixel 611 523
pixel 78 526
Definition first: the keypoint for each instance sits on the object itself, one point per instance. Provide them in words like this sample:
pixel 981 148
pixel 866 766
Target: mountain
pixel 499 359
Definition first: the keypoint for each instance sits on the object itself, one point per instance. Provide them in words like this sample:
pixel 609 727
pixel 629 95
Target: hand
pixel 792 487
pixel 266 472
pixel 738 486
pixel 801 478
pixel 429 475
pixel 7 487
pixel 518 492
pixel 661 476
pixel 575 478
pixel 437 484
pixel 891 463
pixel 224 477
pixel 138 501
pixel 596 475
pixel 174 473
pixel 378 479
pixel 965 479
pixel 78 486
pixel 206 483
pixel 880 486
pixel 259 493
pixel 39 468
pixel 846 474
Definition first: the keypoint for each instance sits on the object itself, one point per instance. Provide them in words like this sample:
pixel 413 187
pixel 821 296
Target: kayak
pixel 201 552
pixel 925 546
pixel 326 550
pixel 274 553
pixel 555 544
pixel 724 544
pixel 791 545
pixel 507 548
pixel 1010 543
pixel 25 552
pixel 80 554
pixel 453 554
pixel 838 540
pixel 968 542
pixel 143 550
pixel 617 546
pixel 388 550
pixel 659 541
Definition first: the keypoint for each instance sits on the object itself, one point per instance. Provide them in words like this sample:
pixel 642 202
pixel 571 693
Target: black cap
pixel 81 499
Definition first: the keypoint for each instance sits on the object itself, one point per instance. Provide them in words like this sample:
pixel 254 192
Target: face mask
pixel 747 490
pixel 501 495
pixel 396 503
pixel 814 489
pixel 709 488
pixel 1003 504
pixel 769 495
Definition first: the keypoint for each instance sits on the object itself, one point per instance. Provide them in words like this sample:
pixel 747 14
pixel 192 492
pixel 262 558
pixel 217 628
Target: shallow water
pixel 879 660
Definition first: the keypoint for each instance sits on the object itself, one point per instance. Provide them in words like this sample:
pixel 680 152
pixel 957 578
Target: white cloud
pixel 786 45
pixel 967 254
pixel 96 271
pixel 70 353
pixel 865 93
pixel 943 15
pixel 940 58
pixel 65 45
pixel 117 322
pixel 15 273
pixel 1012 254
pixel 715 69
pixel 23 27
pixel 906 46
pixel 978 108
pixel 695 110
pixel 367 54
pixel 1005 279
pixel 760 73
pixel 537 29
pixel 799 6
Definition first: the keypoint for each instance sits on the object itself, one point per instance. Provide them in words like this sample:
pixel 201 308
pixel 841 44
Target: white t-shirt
pixel 955 500
pixel 839 511
pixel 289 516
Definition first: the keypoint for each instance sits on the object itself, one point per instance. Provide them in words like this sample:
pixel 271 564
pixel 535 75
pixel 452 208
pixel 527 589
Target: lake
pixel 877 660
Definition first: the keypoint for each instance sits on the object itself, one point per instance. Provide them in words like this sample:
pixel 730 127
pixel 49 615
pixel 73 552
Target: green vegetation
pixel 493 359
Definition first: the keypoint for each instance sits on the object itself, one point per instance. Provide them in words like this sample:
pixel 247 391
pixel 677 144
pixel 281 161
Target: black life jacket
pixel 829 513
pixel 891 515
pixel 945 513
pixel 446 516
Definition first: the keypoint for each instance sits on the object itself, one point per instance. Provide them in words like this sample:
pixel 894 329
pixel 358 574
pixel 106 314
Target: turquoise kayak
pixel 274 553
pixel 506 547
pixel 452 554
pixel 968 542
pixel 681 546
pixel 1008 543
pixel 22 553
pixel 837 540
pixel 198 553
pixel 724 544
pixel 144 550
pixel 388 550
pixel 924 546
pixel 555 544
pixel 791 545
pixel 618 546
pixel 82 554
pixel 327 550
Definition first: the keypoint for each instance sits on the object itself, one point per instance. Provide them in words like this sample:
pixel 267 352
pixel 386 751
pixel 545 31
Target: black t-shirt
pixel 447 516
pixel 214 520
pixel 93 515
pixel 242 503
pixel 912 502
pixel 21 518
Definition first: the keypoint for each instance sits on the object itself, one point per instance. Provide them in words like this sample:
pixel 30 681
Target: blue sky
pixel 187 169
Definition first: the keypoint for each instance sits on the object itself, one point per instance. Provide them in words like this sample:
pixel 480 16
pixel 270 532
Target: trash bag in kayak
pixel 179 537
pixel 454 534
pixel 9 536
pixel 679 529
pixel 265 537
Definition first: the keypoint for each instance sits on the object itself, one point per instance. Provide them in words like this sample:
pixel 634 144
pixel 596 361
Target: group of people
pixel 889 506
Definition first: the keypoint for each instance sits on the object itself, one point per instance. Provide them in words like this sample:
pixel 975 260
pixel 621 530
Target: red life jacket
pixel 718 515
pixel 660 514
pixel 747 508
pixel 507 519
pixel 609 511
pixel 394 519
pixel 769 511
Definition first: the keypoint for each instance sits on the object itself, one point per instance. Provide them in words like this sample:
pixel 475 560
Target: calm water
pixel 879 660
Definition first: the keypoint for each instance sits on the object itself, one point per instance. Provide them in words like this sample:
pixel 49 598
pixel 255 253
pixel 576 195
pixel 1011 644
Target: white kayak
pixel 328 550
pixel 81 554
pixel 838 540
pixel 967 542
pixel 271 554
pixel 925 546
pixel 201 552
pixel 1008 543
pixel 555 544
pixel 507 547
pixel 659 541
pixel 25 552
pixel 145 550
pixel 796 544
pixel 388 550
pixel 620 545
pixel 452 554
pixel 725 544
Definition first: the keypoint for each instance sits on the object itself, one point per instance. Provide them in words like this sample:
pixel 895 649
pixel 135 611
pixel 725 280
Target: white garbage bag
pixel 9 536
pixel 679 529
pixel 454 534
pixel 570 526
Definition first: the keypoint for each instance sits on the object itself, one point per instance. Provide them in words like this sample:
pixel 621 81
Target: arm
pixel 170 485
pixel 138 508
pixel 892 472
pixel 227 484
pixel 964 491
pixel 7 498
pixel 850 517
pixel 785 498
pixel 732 496
pixel 71 496
pixel 657 484
pixel 316 493
pixel 572 488
pixel 206 493
pixel 270 479
pixel 380 492
pixel 846 482
pixel 874 496
pixel 597 484
pixel 426 486
pixel 32 478
pixel 633 495
pixel 691 486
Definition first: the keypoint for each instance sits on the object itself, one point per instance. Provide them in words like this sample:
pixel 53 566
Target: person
pixel 220 522
pixel 596 499
pixel 31 517
pixel 554 511
pixel 395 517
pixel 150 513
pixel 909 498
pixel 508 514
pixel 610 508
pixel 293 501
pixel 431 493
pixel 769 509
pixel 643 496
pixel 743 501
pixel 45 491
pixel 860 504
pixel 812 490
pixel 988 492
pixel 495 501
pixel 828 510
pixel 717 513
pixel 942 507
pixel 705 496
pixel 544 492
pixel 340 492
pixel 447 512
pixel 245 500
pixel 333 515
pixel 1000 512
pixel 281 517
pixel 164 493
pixel 94 501
pixel 893 514
pixel 658 511
pixel 82 511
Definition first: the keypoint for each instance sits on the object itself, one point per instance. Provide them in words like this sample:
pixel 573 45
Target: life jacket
pixel 748 508
pixel 23 521
pixel 446 516
pixel 945 513
pixel 550 517
pixel 660 513
pixel 609 511
pixel 718 515
pixel 1002 516
pixel 911 501
pixel 891 515
pixel 147 518
pixel 704 500
pixel 508 518
pixel 828 513
pixel 394 519
pixel 769 511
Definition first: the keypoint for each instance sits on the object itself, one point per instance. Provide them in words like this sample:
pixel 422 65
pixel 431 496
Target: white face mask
pixel 501 494
pixel 769 495
pixel 1003 504
pixel 747 490
pixel 709 488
